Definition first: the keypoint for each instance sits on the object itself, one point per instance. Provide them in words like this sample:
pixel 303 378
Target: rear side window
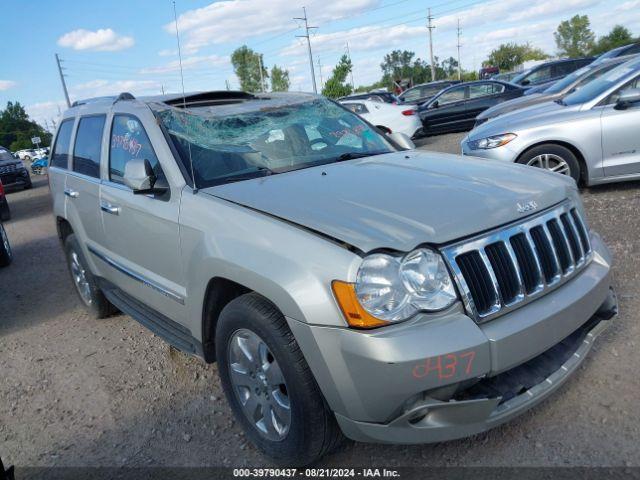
pixel 129 140
pixel 357 107
pixel 60 153
pixel 86 152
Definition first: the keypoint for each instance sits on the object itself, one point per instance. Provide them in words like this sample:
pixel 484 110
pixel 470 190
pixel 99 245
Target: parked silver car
pixel 560 89
pixel 344 285
pixel 591 135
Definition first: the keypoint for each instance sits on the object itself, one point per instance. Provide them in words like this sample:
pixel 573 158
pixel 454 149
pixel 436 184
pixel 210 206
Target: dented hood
pixel 402 199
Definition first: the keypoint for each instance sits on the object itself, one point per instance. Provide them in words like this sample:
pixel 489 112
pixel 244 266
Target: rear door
pixel 449 113
pixel 621 135
pixel 142 232
pixel 483 96
pixel 82 188
pixel 59 166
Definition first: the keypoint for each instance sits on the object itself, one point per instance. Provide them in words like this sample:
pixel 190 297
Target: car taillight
pixel 1 189
pixel 409 112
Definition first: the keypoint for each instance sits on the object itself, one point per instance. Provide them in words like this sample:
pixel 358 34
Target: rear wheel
pixel 85 282
pixel 6 256
pixel 554 158
pixel 269 385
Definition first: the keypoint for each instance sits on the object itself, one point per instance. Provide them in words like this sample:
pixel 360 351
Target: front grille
pixel 505 269
pixel 6 169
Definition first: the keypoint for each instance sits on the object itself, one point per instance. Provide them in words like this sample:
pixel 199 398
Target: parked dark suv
pixel 13 173
pixel 549 72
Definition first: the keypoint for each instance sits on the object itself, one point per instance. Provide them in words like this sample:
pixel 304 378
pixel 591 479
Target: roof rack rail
pixel 124 96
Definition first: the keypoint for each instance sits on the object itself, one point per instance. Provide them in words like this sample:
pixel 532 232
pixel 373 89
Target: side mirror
pixel 435 104
pixel 139 177
pixel 402 140
pixel 627 98
pixel 525 82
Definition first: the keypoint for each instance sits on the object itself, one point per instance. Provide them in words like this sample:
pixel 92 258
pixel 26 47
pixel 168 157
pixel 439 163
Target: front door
pixel 621 136
pixel 141 231
pixel 450 111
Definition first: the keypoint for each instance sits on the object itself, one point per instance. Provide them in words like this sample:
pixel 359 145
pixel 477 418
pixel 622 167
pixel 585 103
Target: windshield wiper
pixel 353 155
pixel 258 172
pixel 560 102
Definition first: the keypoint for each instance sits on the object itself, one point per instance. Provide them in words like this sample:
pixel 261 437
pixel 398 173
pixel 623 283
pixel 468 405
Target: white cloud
pixel 103 39
pixel 7 84
pixel 236 20
pixel 167 52
pixel 46 113
pixel 190 63
pixel 99 87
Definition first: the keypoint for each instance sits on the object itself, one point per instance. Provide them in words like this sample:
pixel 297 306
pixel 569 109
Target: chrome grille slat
pixel 554 256
pixel 519 265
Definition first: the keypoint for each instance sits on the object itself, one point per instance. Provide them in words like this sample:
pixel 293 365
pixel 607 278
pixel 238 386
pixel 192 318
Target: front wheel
pixel 554 158
pixel 269 385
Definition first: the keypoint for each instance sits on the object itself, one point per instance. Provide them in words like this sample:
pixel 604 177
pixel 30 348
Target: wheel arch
pixel 219 292
pixel 64 228
pixel 571 147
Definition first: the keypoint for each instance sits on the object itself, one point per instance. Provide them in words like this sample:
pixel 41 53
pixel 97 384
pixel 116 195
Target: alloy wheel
pixel 551 162
pixel 5 240
pixel 259 385
pixel 80 278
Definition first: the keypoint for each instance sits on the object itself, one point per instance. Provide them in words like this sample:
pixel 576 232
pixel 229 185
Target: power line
pixel 307 28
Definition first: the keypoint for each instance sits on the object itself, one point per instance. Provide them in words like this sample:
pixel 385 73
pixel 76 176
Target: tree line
pixel 16 129
pixel 573 37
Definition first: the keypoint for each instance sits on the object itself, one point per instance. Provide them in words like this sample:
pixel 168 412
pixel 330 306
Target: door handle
pixel 109 208
pixel 71 193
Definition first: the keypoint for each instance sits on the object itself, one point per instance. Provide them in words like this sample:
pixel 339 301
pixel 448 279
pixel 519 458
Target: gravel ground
pixel 81 392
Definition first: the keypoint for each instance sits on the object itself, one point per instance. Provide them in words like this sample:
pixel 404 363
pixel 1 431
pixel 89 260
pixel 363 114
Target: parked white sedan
pixel 388 117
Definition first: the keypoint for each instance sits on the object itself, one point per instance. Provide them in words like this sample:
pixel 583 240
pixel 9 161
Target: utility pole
pixel 227 84
pixel 353 86
pixel 64 85
pixel 320 72
pixel 261 74
pixel 307 28
pixel 430 27
pixel 459 67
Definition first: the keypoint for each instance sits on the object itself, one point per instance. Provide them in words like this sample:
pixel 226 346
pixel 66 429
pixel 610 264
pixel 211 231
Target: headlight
pixel 392 288
pixel 491 142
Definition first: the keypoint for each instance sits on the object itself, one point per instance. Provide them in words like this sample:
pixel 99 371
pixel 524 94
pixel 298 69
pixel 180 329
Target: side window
pixel 453 95
pixel 129 140
pixel 633 50
pixel 411 94
pixel 63 142
pixel 564 68
pixel 482 90
pixel 86 151
pixel 613 98
pixel 540 75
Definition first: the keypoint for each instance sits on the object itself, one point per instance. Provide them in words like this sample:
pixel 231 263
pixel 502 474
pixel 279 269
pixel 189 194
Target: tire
pixel 312 430
pixel 6 255
pixel 90 294
pixel 29 184
pixel 5 212
pixel 554 154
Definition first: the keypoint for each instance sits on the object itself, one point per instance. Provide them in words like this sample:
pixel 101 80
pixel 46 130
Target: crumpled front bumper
pixel 408 383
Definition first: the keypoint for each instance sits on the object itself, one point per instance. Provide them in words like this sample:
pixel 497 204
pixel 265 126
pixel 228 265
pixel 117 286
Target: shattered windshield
pixel 227 143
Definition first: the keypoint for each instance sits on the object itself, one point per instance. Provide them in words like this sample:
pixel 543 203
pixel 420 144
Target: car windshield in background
pixel 602 84
pixel 589 73
pixel 228 143
pixel 5 155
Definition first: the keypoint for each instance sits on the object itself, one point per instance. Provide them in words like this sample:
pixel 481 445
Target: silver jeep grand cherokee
pixel 345 285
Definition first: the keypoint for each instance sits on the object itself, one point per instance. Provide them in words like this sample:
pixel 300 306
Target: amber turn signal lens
pixel 353 312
